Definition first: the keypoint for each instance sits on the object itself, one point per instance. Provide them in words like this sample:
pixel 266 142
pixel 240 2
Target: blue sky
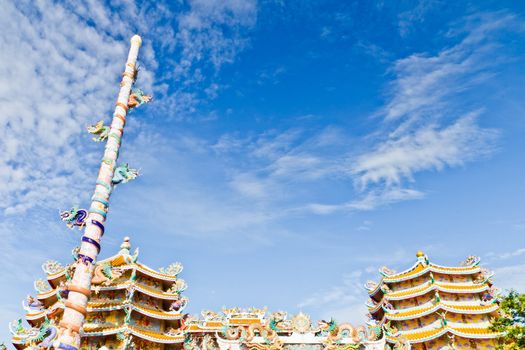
pixel 292 148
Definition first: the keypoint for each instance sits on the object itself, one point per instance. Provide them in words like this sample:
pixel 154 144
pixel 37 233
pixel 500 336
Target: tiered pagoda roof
pixel 129 302
pixel 429 305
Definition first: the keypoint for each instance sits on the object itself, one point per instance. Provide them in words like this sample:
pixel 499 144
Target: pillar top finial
pixel 136 39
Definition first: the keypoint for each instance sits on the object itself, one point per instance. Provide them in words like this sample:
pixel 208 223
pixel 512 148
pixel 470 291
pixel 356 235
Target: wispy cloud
pixel 57 76
pixel 427 147
pixel 427 122
pixel 344 301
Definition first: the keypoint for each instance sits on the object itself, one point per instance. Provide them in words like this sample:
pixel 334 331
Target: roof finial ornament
pixel 422 257
pixel 125 246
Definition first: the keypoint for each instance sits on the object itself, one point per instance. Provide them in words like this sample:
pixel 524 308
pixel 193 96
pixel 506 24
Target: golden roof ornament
pixel 301 323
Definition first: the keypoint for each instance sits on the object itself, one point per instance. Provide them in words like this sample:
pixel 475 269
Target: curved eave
pixel 419 270
pixel 57 275
pixel 155 293
pixel 405 275
pixel 161 315
pixel 33 316
pixel 376 308
pixel 117 260
pixel 46 295
pixel 413 314
pixel 157 314
pixel 447 288
pixel 211 326
pixel 430 334
pixel 146 335
pixel 101 288
pixel 155 274
pixel 374 291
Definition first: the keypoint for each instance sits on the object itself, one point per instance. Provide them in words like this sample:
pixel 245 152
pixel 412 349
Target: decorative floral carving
pixel 301 323
pixel 211 316
pixel 42 286
pixel 471 260
pixel 52 267
pixel 370 285
pixel 385 271
pixel 172 270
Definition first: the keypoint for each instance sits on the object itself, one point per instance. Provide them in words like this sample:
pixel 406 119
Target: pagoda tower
pixel 131 306
pixel 431 306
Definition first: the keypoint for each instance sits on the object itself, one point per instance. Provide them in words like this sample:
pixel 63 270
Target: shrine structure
pixel 430 306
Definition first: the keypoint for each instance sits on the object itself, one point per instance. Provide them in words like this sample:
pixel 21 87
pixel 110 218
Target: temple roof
pixel 422 266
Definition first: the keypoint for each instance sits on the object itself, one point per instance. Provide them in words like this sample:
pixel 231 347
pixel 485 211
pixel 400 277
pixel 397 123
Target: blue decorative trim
pixel 100 200
pixel 108 187
pixel 66 347
pixel 115 136
pixel 99 225
pixel 85 259
pixel 92 241
pixel 98 211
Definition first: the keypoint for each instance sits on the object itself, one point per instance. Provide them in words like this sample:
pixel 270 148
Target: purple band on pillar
pixel 91 241
pixel 66 347
pixel 99 225
pixel 85 259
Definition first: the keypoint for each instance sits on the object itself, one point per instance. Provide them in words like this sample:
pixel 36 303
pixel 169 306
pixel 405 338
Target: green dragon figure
pixel 99 129
pixel 123 174
pixel 137 97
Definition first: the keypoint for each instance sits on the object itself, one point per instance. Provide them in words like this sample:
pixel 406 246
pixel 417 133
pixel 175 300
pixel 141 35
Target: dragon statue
pixel 492 295
pixel 99 129
pixel 137 97
pixel 37 337
pixel 123 174
pixel 471 260
pixel 74 217
pixel 177 287
pixel 327 327
pixel 179 304
pixel 105 273
pixel 279 323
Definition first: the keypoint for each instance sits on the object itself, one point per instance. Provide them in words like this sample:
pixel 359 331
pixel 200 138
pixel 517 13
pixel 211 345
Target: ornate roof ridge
pixel 425 334
pixel 425 309
pixel 429 286
pixel 157 337
pixel 469 266
pixel 175 269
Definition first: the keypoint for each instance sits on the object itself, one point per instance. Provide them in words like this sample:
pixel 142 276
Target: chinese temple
pixel 132 306
pixel 254 329
pixel 431 306
pixel 120 303
pixel 130 303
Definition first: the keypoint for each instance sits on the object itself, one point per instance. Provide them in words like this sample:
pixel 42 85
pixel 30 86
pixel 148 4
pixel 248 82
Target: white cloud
pixel 344 302
pixel 57 74
pixel 200 31
pixel 510 277
pixel 426 148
